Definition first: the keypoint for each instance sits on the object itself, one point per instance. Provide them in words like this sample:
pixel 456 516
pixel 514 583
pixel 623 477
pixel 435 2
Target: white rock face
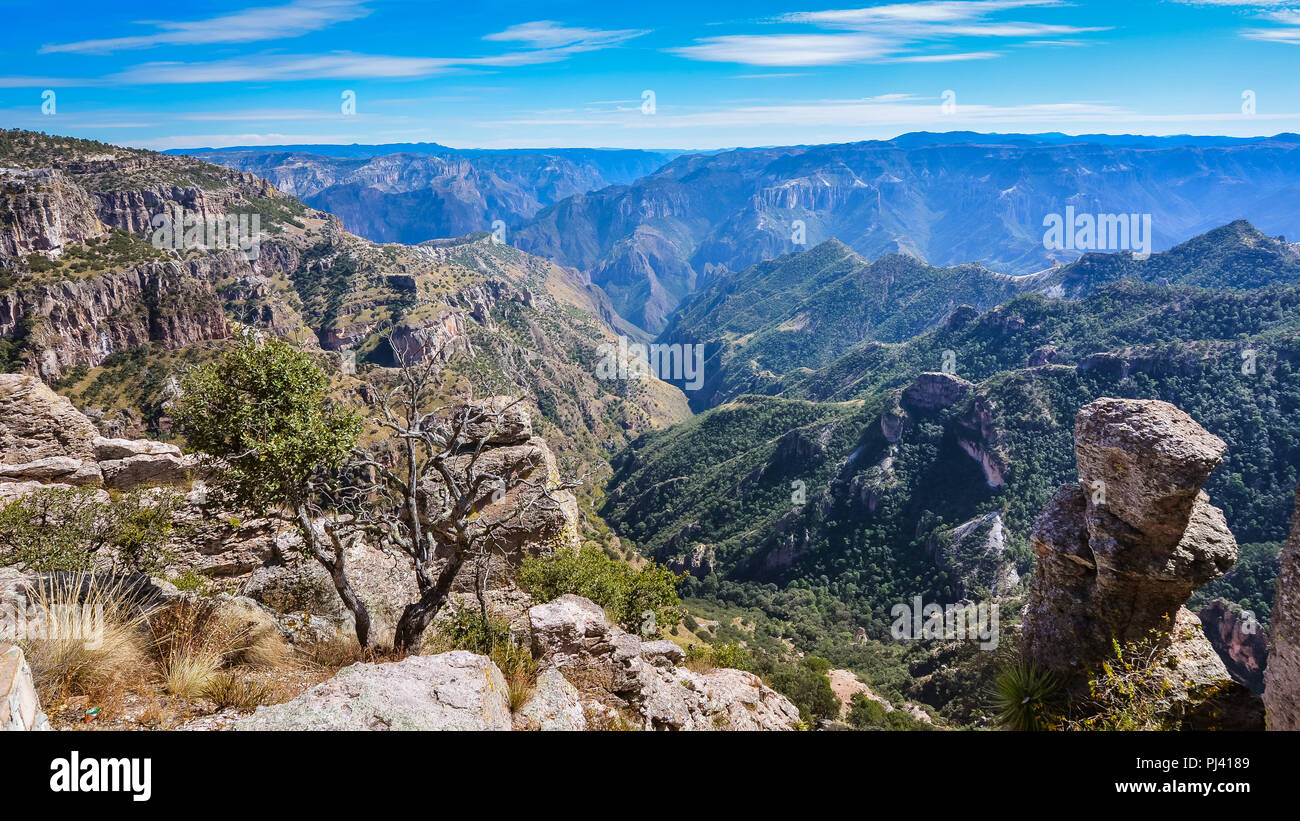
pixel 451 691
pixel 554 705
pixel 20 708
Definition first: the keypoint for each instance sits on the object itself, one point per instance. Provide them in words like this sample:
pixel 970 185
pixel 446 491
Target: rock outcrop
pixel 1282 678
pixel 41 211
pixel 20 707
pixel 46 442
pixel 1120 551
pixel 644 679
pixel 458 690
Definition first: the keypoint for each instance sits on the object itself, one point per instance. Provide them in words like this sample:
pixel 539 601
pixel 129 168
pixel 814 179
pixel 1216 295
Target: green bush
pixel 642 600
pixel 68 528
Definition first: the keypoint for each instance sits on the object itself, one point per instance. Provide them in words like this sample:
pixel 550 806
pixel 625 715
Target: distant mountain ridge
pixel 412 192
pixel 804 310
pixel 946 199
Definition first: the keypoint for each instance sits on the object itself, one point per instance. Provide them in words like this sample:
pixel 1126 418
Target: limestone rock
pixel 20 707
pixel 458 690
pixel 554 705
pixel 569 631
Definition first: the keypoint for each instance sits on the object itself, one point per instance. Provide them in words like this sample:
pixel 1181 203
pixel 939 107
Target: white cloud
pixel 937 11
pixel 546 34
pixel 888 33
pixel 341 65
pixel 247 26
pixel 788 49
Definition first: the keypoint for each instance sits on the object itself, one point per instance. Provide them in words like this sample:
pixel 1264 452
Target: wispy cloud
pixel 546 34
pixel 247 26
pixel 282 68
pixel 1279 25
pixel 789 49
pixel 888 33
pixel 544 41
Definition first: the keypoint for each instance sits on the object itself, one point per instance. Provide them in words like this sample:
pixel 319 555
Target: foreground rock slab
pixel 458 690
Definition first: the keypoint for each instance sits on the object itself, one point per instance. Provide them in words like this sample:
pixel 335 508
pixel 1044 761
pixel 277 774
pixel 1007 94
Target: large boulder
pixel 458 690
pixel 37 423
pixel 1120 552
pixel 569 631
pixel 553 705
pixel 500 420
pixel 1282 678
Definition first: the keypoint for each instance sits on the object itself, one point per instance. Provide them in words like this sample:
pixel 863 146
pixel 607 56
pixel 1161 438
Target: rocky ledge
pixel 593 675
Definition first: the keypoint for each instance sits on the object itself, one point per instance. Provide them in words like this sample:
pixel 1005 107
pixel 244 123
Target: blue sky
pixel 575 73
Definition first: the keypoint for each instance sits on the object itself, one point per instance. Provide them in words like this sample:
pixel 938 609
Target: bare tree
pixel 428 499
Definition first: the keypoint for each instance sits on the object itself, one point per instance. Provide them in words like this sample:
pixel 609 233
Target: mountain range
pixel 802 311
pixel 412 192
pixel 947 200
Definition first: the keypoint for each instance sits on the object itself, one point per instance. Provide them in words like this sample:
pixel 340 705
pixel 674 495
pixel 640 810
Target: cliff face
pixel 1239 641
pixel 1282 678
pixel 82 321
pixel 1120 552
pixel 42 211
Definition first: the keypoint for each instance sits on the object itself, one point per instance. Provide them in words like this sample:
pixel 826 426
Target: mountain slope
pixel 875 479
pixel 89 302
pixel 777 319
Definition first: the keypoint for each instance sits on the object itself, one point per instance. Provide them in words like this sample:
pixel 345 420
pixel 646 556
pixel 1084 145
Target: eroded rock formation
pixel 1120 551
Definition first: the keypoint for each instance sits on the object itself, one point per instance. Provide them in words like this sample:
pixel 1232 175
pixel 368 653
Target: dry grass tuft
pixel 240 692
pixel 194 639
pixel 83 636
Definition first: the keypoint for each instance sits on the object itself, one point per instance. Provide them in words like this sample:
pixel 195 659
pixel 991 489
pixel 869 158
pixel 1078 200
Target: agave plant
pixel 1023 696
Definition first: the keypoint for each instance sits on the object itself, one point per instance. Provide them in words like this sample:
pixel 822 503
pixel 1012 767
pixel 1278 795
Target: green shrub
pixel 643 600
pixel 67 528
